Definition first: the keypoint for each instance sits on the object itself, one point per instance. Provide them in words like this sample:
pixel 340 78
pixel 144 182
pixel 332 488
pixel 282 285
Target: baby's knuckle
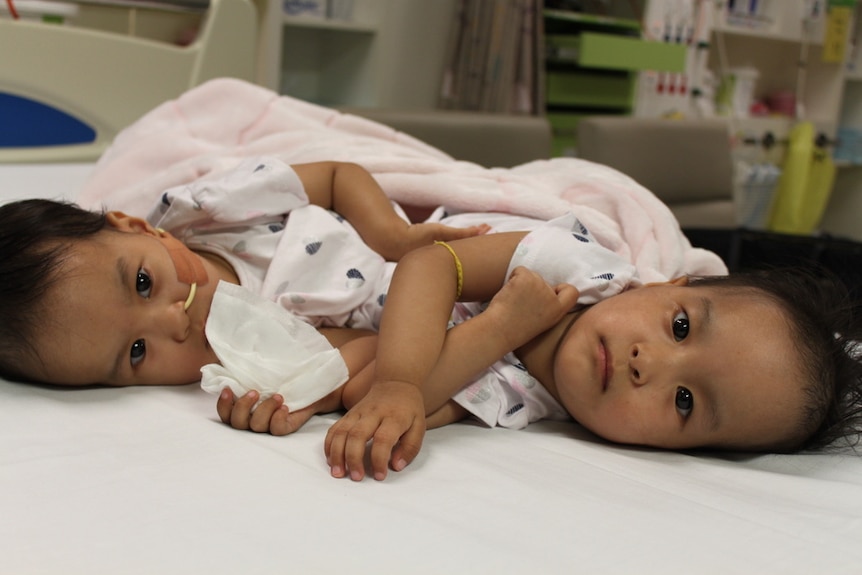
pixel 355 433
pixel 386 436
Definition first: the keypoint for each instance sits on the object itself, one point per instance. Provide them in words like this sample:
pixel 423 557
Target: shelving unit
pixel 591 65
pixel 775 51
pixel 771 42
pixel 783 45
pixel 388 55
pixel 773 47
pixel 842 216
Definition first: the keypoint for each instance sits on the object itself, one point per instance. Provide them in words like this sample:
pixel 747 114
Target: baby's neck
pixel 538 354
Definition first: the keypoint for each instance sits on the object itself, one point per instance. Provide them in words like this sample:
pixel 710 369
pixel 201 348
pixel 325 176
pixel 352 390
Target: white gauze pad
pixel 264 347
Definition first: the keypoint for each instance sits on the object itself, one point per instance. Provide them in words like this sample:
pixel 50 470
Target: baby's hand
pixel 527 306
pixel 271 416
pixel 418 235
pixel 392 417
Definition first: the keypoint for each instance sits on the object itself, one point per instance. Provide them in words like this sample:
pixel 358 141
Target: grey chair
pixel 686 163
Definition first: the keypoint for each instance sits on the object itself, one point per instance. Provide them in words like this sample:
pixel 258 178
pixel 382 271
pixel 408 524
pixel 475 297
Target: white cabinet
pixel 389 54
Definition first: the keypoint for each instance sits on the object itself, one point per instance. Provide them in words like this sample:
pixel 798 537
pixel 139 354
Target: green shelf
pixel 610 52
pixel 587 89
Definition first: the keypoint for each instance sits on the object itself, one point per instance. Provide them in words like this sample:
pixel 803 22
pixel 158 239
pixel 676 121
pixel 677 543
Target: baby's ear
pixel 125 223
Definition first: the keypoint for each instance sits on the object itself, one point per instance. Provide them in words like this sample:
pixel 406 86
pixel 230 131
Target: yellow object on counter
pixel 805 185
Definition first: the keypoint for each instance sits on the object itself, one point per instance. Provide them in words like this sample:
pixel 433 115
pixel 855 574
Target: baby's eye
pixel 679 326
pixel 143 283
pixel 684 401
pixel 138 352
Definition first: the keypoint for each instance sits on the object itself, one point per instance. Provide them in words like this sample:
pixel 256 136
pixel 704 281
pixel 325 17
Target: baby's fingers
pixel 240 413
pixel 567 294
pixel 262 415
pixel 450 233
pixel 388 434
pixel 236 412
pixel 224 405
pixel 345 446
pixel 407 449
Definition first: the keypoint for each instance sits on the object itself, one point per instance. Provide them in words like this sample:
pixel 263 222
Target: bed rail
pixel 55 76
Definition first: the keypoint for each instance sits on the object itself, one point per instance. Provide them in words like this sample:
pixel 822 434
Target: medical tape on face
pixel 190 269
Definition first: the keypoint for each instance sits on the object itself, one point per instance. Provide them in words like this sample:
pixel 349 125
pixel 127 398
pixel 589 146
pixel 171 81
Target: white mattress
pixel 146 480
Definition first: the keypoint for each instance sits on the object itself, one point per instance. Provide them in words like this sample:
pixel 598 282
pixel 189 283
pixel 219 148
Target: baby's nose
pixel 173 322
pixel 637 365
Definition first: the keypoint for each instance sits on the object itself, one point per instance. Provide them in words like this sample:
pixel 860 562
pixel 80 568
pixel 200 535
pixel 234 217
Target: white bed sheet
pixel 148 481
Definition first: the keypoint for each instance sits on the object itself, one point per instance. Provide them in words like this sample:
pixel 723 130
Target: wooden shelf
pixel 813 37
pixel 329 24
pixel 780 21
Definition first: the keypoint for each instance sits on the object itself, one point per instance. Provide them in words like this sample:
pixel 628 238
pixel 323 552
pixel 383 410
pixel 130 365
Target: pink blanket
pixel 213 126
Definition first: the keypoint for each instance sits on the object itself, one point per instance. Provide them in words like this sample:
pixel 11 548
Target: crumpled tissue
pixel 264 347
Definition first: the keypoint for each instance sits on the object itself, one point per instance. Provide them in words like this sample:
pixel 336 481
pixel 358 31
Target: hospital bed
pixel 66 90
pixel 147 480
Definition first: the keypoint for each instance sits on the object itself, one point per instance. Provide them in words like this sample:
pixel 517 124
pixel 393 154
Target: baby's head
pixel 92 298
pixel 35 239
pixel 758 361
pixel 826 332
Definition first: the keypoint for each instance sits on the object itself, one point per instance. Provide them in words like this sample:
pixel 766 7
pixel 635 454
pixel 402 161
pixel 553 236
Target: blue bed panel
pixel 26 123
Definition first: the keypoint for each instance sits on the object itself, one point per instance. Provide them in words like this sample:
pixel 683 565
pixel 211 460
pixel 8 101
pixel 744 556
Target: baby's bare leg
pixel 450 412
pixel 357 348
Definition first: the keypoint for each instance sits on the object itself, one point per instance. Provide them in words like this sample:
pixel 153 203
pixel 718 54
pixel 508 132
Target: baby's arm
pixel 410 345
pixel 352 192
pixel 525 307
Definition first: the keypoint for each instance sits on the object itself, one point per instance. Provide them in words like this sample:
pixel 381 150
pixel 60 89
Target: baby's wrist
pixel 501 324
pixel 399 384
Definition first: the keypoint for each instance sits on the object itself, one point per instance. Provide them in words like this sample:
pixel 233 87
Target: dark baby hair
pixel 825 323
pixel 35 236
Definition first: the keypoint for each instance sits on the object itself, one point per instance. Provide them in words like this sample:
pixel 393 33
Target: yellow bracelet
pixel 458 269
